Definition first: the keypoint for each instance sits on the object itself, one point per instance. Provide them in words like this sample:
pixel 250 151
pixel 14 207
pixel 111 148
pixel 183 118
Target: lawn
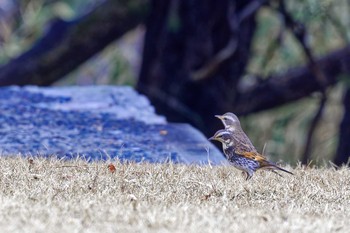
pixel 51 195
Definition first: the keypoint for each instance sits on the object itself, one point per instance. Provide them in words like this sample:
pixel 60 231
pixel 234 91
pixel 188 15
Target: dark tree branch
pixel 343 151
pixel 66 45
pixel 293 84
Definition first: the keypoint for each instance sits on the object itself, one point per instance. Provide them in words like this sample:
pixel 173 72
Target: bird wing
pixel 253 155
pixel 247 146
pixel 242 141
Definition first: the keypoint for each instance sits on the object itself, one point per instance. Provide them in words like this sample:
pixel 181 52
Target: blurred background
pixel 282 66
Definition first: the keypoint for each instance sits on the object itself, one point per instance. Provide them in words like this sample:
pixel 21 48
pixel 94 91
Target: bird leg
pixel 247 175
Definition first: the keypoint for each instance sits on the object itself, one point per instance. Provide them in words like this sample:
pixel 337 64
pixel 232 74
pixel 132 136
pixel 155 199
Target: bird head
pixel 223 136
pixel 229 120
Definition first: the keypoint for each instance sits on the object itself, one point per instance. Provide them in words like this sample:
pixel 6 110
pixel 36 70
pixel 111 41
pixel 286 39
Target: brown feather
pixel 264 163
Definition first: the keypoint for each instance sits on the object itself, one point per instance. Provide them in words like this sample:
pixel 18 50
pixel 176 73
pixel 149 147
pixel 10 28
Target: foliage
pixel 275 49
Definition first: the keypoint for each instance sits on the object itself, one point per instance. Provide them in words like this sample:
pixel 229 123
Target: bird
pixel 233 125
pixel 248 161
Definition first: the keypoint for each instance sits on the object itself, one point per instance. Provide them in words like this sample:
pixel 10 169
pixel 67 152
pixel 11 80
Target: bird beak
pixel 218 116
pixel 212 138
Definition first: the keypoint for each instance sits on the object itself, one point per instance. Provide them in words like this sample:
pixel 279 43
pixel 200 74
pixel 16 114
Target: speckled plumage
pixel 244 158
pixel 248 166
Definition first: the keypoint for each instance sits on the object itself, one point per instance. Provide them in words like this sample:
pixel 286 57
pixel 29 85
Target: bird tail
pixel 273 167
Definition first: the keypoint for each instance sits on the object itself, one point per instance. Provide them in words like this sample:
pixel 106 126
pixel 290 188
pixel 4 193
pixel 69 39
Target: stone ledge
pixel 95 122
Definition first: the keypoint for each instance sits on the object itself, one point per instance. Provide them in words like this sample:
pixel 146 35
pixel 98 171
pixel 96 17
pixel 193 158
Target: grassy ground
pixel 49 195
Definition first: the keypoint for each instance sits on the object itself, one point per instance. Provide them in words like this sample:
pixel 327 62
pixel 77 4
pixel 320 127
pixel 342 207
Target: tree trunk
pixel 181 42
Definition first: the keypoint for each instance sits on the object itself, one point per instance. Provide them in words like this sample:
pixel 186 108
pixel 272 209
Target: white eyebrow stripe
pixel 223 133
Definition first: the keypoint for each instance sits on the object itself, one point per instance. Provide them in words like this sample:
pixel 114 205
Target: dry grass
pixel 49 195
